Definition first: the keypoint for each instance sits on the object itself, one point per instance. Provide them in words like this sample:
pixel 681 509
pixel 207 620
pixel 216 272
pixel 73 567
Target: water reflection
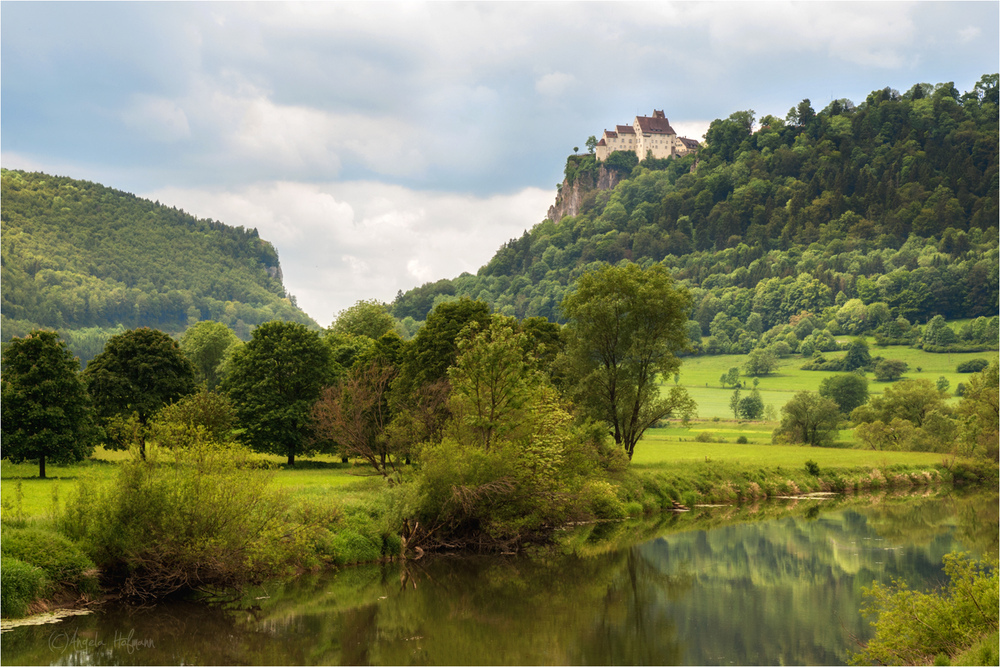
pixel 757 585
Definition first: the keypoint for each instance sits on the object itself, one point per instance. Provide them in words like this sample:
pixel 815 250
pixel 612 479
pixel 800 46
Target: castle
pixel 646 135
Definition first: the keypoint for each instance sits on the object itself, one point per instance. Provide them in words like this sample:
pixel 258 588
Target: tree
pixel 591 143
pixel 912 400
pixel 46 411
pixel 274 381
pixel 889 370
pixel 734 403
pixel 203 413
pixel 435 346
pixel 751 407
pixel 355 414
pixel 848 390
pixel 979 412
pixel 364 318
pixel 206 344
pixel 809 418
pixel 760 362
pixel 857 355
pixel 730 377
pixel 138 372
pixel 625 327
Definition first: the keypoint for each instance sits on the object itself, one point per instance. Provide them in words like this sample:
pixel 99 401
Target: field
pixel 700 376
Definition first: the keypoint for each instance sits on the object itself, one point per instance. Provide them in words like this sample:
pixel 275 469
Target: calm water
pixel 775 584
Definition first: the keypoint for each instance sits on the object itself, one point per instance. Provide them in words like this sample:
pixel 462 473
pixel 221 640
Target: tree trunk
pixel 291 458
pixel 41 467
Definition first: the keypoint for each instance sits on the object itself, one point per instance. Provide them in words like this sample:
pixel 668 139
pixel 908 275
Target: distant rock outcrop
pixel 572 196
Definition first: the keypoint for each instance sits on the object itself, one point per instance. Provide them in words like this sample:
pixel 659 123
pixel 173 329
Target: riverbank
pixel 357 510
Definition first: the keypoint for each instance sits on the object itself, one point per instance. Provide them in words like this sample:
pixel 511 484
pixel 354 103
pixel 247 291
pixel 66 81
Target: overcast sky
pixel 379 146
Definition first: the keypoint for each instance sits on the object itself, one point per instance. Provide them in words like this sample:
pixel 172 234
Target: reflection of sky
pixel 359 137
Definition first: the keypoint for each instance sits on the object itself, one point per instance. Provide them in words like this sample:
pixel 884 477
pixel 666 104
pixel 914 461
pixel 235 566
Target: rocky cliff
pixel 572 196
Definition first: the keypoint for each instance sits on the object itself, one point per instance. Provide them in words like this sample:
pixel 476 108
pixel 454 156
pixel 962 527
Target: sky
pixel 383 145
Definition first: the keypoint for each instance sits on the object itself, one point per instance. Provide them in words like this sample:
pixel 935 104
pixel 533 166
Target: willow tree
pixel 626 326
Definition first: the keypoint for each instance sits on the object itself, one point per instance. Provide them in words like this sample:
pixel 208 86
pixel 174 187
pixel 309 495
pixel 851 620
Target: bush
pixel 62 561
pixel 914 628
pixel 972 366
pixel 742 440
pixel 205 519
pixel 20 585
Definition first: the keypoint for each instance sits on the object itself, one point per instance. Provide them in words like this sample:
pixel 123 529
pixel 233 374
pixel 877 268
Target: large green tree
pixel 365 318
pixel 848 390
pixel 274 380
pixel 809 418
pixel 139 372
pixel 46 411
pixel 206 345
pixel 626 325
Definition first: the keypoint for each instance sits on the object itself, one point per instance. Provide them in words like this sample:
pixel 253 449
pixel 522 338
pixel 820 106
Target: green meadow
pixel 700 376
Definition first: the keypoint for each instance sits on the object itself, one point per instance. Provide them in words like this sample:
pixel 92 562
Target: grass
pixel 700 376
pixel 661 448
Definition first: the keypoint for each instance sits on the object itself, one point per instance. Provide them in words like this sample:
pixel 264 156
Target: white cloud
pixel 158 118
pixel 341 242
pixel 554 84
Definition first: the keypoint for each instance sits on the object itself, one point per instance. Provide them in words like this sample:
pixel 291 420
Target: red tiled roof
pixel 654 125
pixel 690 143
pixel 625 129
pixel 601 142
pixel 610 135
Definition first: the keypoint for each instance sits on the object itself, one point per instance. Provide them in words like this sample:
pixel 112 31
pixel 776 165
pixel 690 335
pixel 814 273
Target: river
pixel 776 583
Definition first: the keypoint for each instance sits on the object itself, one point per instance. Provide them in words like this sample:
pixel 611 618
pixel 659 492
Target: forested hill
pixel 80 257
pixel 893 200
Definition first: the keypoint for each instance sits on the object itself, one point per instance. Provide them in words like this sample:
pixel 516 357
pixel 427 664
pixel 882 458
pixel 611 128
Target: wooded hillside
pixel 84 259
pixel 893 200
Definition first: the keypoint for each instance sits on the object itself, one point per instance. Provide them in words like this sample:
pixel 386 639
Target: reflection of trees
pixel 632 626
pixel 785 589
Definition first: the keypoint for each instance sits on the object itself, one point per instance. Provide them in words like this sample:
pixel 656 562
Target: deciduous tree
pixel 138 373
pixel 848 390
pixel 808 418
pixel 206 344
pixel 625 327
pixel 46 411
pixel 274 381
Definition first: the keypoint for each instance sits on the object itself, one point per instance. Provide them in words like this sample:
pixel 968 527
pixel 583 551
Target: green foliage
pixel 138 372
pixel 978 414
pixel 750 406
pixel 808 418
pixel 80 256
pixel 20 585
pixel 274 380
pixel 812 468
pixel 46 411
pixel 912 627
pixel 972 366
pixel 626 326
pixel 760 363
pixel 435 346
pixel 206 345
pixel 204 413
pixel 848 390
pixel 365 318
pixel 62 561
pixel 202 516
pixel 889 370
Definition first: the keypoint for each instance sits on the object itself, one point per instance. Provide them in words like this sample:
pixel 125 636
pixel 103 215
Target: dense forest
pixel 863 215
pixel 89 261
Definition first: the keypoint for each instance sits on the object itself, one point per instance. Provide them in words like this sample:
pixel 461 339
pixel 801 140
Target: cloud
pixel 554 84
pixel 157 118
pixel 341 242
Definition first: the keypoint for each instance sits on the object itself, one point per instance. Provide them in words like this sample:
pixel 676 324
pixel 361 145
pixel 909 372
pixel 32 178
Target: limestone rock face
pixel 570 199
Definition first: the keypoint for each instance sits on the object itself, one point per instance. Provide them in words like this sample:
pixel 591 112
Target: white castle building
pixel 644 136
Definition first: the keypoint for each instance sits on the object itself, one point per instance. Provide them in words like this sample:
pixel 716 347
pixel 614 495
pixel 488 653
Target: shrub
pixel 20 585
pixel 742 440
pixel 812 468
pixel 62 561
pixel 205 519
pixel 912 627
pixel 972 366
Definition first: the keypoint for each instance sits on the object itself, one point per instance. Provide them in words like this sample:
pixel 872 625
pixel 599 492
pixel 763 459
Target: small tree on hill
pixel 46 411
